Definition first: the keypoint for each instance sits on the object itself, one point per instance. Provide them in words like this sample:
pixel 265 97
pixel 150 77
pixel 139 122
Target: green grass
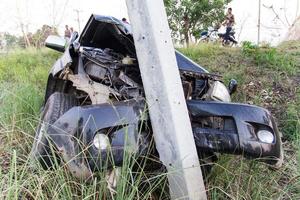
pixel 23 76
pixel 267 77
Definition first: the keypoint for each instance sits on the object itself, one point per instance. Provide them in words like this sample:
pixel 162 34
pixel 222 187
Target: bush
pixel 23 76
pixel 269 57
pixel 248 48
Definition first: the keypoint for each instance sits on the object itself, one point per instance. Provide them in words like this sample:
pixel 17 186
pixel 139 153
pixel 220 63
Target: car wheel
pixel 57 104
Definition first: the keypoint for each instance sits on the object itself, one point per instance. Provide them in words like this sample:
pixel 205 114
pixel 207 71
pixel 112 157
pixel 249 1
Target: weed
pixel 23 76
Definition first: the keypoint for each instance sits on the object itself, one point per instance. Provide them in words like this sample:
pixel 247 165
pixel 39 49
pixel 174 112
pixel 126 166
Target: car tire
pixel 57 104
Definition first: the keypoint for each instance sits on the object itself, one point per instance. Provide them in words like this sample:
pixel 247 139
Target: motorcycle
pixel 211 35
pixel 216 34
pixel 230 40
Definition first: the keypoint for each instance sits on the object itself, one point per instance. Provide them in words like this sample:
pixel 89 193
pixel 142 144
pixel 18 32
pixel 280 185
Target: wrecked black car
pixel 95 106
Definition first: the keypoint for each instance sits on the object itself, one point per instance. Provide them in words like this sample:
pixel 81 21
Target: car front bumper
pixel 73 134
pixel 234 130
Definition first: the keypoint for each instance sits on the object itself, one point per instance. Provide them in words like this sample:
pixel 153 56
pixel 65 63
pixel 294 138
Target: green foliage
pixel 188 17
pixel 25 66
pixel 275 72
pixel 237 178
pixel 10 41
pixel 269 57
pixel 35 39
pixel 38 38
pixel 291 127
pixel 23 76
pixel 259 70
pixel 248 47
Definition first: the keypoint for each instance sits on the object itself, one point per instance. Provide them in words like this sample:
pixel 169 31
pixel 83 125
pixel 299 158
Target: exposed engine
pixel 117 77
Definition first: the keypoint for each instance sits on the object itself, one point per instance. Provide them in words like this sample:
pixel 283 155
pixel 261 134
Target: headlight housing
pixel 265 136
pixel 219 92
pixel 101 141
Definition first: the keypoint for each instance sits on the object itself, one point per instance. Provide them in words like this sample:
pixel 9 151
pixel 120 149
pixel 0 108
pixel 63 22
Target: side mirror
pixel 232 87
pixel 55 42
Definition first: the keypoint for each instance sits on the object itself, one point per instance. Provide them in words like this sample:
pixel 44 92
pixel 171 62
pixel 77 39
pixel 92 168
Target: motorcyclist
pixel 229 22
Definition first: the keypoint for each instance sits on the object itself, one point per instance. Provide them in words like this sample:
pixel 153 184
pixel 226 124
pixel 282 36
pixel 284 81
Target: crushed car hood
pixel 109 32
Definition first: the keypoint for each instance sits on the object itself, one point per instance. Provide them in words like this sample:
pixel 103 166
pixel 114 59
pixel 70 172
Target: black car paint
pixel 121 38
pixel 80 124
pixel 242 140
pixel 73 135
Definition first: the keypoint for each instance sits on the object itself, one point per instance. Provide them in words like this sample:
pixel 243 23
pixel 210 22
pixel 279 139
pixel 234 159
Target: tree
pixel 23 22
pixel 284 17
pixel 36 39
pixel 10 40
pixel 57 11
pixel 188 17
pixel 39 37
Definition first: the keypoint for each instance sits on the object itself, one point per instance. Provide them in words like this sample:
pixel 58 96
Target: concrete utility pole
pixel 164 93
pixel 258 22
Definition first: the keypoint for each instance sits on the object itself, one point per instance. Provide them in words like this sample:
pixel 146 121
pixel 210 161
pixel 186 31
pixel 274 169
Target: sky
pixel 34 13
pixel 276 18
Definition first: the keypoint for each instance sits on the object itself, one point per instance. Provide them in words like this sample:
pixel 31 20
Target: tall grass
pixel 269 77
pixel 23 76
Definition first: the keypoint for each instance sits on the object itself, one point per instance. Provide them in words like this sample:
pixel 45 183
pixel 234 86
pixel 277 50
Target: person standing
pixel 127 25
pixel 124 20
pixel 71 30
pixel 229 22
pixel 67 32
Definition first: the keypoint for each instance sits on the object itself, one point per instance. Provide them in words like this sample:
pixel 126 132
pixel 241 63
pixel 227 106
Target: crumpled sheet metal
pixel 73 133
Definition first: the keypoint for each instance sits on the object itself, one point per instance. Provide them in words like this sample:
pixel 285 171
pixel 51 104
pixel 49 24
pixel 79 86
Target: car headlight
pixel 219 92
pixel 101 141
pixel 265 136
